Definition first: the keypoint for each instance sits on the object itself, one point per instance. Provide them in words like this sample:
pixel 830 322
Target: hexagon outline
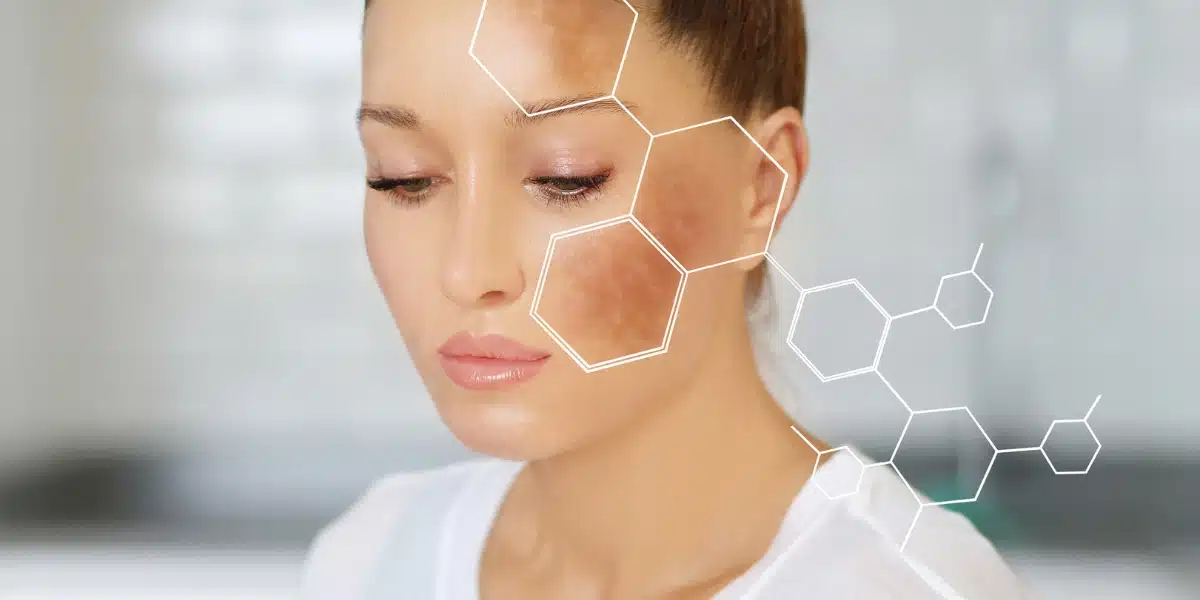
pixel 661 248
pixel 817 466
pixel 561 341
pixel 862 469
pixel 986 308
pixel 782 271
pixel 887 323
pixel 982 431
pixel 537 295
pixel 897 395
pixel 630 217
pixel 612 95
pixel 778 202
pixel 874 524
pixel 907 422
pixel 1042 447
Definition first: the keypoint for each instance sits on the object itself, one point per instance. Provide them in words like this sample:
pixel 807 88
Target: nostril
pixel 493 297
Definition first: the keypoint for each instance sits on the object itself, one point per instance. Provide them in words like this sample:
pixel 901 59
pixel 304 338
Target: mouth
pixel 489 362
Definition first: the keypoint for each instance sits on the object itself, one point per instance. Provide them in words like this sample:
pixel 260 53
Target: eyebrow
pixel 396 117
pixel 399 117
pixel 585 103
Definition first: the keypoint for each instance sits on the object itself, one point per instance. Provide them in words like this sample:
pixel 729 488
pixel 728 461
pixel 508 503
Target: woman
pixel 618 471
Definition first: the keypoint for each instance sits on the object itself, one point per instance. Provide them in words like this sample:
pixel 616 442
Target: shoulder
pixel 943 554
pixel 342 555
pixel 853 548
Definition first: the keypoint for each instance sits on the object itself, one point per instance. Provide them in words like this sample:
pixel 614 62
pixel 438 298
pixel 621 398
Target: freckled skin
pixel 588 38
pixel 584 42
pixel 611 443
pixel 610 293
pixel 691 193
pixel 470 257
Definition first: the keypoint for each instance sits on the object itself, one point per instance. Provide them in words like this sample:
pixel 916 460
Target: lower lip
pixel 474 373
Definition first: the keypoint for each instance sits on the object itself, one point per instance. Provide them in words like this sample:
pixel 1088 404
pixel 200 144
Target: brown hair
pixel 753 52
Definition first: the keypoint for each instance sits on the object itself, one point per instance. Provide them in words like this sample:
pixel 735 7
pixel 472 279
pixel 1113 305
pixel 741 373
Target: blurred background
pixel 198 371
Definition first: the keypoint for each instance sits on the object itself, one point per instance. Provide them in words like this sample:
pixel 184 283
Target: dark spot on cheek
pixel 676 220
pixel 688 210
pixel 609 293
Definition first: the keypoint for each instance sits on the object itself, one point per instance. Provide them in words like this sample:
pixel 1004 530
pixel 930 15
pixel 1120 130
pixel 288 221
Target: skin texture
pixel 580 44
pixel 609 293
pixel 641 477
pixel 684 206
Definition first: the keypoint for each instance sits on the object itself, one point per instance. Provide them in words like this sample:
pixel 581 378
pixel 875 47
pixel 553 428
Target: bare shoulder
pixel 344 552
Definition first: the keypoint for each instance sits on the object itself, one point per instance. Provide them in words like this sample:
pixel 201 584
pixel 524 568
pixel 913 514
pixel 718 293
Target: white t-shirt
pixel 421 536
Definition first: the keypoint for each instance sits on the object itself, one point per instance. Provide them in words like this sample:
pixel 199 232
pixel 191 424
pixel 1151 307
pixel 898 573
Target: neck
pixel 691 494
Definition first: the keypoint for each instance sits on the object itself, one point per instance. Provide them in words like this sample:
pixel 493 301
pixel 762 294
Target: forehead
pixel 524 44
pixel 419 52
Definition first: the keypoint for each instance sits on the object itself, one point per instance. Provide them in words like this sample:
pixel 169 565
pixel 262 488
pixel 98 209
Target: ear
pixel 784 165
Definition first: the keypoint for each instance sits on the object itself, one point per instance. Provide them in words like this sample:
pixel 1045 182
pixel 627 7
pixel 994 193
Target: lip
pixel 489 362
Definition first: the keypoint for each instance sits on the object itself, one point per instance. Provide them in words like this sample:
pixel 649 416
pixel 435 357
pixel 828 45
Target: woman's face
pixel 466 193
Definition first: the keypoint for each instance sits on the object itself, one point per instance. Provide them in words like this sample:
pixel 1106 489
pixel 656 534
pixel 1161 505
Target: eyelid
pixel 378 182
pixel 583 180
pixel 569 164
pixel 591 186
pixel 576 170
pixel 391 188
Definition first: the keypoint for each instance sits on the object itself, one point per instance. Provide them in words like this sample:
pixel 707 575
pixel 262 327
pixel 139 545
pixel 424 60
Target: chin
pixel 500 429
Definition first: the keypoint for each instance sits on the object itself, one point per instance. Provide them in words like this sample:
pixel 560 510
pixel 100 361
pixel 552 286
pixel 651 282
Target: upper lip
pixel 495 347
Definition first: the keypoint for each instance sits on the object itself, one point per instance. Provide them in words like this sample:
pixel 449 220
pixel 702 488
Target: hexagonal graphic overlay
pixel 838 330
pixel 930 455
pixel 893 519
pixel 963 300
pixel 835 483
pixel 680 210
pixel 536 50
pixel 839 483
pixel 1071 447
pixel 922 359
pixel 608 294
pixel 859 412
pixel 779 289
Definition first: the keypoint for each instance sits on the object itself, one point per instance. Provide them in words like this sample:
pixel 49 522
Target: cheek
pixel 609 293
pixel 406 284
pixel 690 205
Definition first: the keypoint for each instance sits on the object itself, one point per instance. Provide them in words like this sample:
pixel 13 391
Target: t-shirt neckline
pixel 478 503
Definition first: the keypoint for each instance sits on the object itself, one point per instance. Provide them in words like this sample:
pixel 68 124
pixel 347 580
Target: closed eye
pixel 409 191
pixel 554 190
pixel 569 190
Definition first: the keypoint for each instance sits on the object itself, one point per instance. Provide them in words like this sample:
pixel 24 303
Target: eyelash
pixel 586 187
pixel 393 189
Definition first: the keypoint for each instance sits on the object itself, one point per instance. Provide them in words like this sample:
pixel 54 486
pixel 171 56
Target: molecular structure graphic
pixel 835 493
pixel 831 490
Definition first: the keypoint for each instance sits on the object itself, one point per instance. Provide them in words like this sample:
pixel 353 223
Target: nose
pixel 484 268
